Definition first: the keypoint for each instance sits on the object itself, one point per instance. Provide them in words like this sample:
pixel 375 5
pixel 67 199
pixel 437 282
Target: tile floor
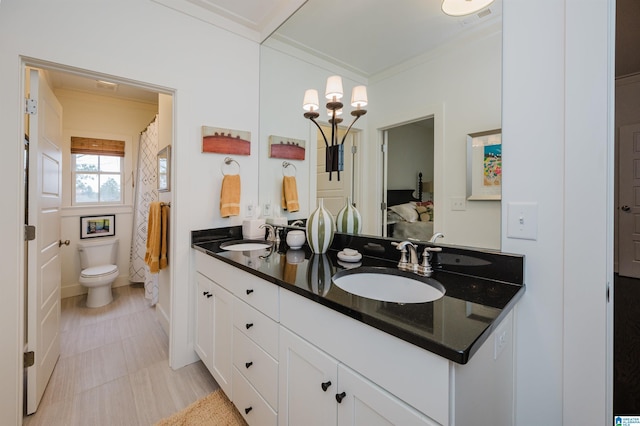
pixel 114 369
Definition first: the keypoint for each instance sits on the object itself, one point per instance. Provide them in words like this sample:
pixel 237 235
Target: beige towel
pixel 164 234
pixel 152 255
pixel 230 196
pixel 289 199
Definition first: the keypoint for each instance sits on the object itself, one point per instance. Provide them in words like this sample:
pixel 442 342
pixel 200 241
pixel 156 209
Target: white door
pixel 334 192
pixel 43 274
pixel 629 201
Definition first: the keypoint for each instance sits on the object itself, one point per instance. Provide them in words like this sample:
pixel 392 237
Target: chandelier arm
pixel 321 132
pixel 349 128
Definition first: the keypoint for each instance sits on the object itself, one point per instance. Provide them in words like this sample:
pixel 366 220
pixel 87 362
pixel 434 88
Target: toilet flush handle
pixel 63 243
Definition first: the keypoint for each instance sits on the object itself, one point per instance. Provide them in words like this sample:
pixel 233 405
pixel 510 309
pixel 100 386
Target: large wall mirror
pixel 432 79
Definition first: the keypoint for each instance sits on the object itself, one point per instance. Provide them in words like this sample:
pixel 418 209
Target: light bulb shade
pixel 464 7
pixel 310 102
pixel 359 97
pixel 334 87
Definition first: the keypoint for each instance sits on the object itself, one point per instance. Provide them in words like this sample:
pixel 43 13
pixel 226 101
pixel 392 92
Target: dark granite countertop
pixel 454 326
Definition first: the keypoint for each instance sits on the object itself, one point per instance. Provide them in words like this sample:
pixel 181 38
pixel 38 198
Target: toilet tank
pixel 96 253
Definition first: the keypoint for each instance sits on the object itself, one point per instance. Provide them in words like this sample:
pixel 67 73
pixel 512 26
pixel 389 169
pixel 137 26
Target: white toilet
pixel 99 270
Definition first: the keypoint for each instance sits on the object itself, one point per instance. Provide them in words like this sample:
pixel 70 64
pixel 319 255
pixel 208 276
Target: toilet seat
pixel 98 271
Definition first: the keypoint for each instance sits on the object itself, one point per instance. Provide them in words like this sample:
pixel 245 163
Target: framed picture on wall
pixel 484 165
pixel 97 226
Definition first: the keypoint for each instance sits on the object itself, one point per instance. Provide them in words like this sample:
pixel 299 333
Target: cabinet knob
pixel 248 364
pixel 249 325
pixel 249 291
pixel 326 385
pixel 340 396
pixel 247 410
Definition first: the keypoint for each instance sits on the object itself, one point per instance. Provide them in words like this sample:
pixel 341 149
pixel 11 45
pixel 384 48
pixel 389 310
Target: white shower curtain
pixel 146 192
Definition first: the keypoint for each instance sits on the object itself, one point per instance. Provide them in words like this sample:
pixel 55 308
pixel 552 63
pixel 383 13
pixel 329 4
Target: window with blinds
pixel 97 170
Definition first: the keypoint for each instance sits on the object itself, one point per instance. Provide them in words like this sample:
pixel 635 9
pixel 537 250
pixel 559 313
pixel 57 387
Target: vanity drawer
pixel 258 293
pixel 216 270
pixel 255 410
pixel 257 366
pixel 257 326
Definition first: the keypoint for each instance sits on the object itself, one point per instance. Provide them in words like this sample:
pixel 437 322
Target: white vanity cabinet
pixel 213 329
pixel 316 389
pixel 283 358
pixel 237 336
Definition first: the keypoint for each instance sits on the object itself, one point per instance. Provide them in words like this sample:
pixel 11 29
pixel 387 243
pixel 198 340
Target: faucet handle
pixel 425 268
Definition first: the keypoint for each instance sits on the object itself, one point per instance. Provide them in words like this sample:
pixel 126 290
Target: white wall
pixel 215 78
pixel 462 83
pixel 86 115
pixel 557 140
pixel 410 152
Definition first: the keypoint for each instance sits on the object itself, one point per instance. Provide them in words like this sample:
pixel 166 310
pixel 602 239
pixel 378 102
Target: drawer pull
pixel 326 385
pixel 249 291
pixel 340 397
pixel 249 325
pixel 248 364
pixel 247 410
pixel 204 293
pixel 209 295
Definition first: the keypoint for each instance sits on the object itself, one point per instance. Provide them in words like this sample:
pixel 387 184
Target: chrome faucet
pixel 435 236
pixel 298 223
pixel 405 264
pixel 272 235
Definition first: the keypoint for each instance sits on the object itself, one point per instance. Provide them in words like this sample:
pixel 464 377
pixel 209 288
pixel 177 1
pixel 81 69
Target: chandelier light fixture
pixel 333 93
pixel 464 7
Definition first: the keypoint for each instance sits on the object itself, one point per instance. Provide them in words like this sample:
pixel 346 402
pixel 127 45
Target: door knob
pixel 63 243
pixel 625 208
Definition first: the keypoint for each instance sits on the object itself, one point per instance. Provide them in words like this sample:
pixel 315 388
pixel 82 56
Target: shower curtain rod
pixel 150 123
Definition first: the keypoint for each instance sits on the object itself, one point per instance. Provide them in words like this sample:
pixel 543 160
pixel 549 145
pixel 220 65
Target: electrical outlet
pixel 249 209
pixel 458 204
pixel 266 210
pixel 501 340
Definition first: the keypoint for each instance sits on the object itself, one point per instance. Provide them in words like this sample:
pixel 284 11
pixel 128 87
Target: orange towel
pixel 164 234
pixel 289 199
pixel 152 255
pixel 230 196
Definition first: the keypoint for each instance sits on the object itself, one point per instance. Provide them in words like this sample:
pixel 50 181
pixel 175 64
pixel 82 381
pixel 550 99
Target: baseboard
pixel 163 318
pixel 78 289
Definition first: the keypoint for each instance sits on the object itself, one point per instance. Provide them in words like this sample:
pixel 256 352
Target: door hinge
pixel 354 149
pixel 31 106
pixel 383 206
pixel 608 292
pixel 383 147
pixel 29 232
pixel 29 359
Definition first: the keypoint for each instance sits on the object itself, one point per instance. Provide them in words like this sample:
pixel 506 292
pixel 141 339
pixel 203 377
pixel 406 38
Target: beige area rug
pixel 213 409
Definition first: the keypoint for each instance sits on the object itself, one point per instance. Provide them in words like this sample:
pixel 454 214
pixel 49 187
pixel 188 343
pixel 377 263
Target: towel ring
pixel 227 161
pixel 286 164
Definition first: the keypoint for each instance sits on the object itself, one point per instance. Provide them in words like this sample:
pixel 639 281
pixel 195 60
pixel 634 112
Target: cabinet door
pixel 308 383
pixel 365 404
pixel 222 326
pixel 204 326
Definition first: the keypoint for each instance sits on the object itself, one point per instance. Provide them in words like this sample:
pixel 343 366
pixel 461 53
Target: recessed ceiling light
pixel 464 7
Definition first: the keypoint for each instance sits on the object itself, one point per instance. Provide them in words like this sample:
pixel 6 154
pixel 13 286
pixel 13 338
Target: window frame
pixel 75 172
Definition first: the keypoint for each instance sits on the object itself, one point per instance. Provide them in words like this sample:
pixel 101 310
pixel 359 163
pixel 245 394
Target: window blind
pixel 92 146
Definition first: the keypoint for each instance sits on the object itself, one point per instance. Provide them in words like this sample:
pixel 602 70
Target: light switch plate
pixel 522 221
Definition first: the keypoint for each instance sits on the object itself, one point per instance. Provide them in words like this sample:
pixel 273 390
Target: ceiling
pixel 390 34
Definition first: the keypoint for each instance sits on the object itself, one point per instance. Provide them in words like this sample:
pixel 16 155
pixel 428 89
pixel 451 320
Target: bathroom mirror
pixel 164 169
pixel 455 69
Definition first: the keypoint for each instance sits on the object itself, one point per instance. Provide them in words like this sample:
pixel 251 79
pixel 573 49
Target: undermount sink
pixel 389 285
pixel 245 245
